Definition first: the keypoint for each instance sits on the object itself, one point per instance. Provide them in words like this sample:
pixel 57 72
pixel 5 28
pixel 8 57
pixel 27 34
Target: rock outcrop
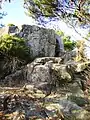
pixel 63 87
pixel 51 70
pixel 53 87
pixel 41 41
pixel 12 30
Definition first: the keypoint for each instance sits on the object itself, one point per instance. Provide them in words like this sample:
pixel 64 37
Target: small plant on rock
pixel 68 44
pixel 10 24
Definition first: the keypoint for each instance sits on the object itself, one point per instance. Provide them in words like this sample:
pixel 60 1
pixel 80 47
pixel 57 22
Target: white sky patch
pixel 76 34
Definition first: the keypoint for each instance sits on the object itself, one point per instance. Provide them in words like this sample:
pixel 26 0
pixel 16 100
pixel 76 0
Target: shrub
pixel 10 25
pixel 68 43
pixel 14 47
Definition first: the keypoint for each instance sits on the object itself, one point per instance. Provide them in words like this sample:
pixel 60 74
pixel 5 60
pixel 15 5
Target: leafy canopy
pixel 76 11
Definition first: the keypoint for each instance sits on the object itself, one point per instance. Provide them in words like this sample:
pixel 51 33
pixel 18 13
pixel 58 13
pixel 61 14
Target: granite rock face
pixel 53 71
pixel 41 41
pixel 49 76
pixel 12 30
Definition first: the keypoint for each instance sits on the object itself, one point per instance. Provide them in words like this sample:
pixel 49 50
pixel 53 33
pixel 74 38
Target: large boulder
pixel 12 30
pixel 41 41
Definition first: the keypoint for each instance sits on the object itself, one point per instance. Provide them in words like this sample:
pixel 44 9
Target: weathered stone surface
pixel 44 71
pixel 80 101
pixel 59 83
pixel 12 30
pixel 60 87
pixel 76 89
pixel 38 73
pixel 51 70
pixel 9 65
pixel 29 103
pixel 70 110
pixel 16 79
pixel 61 72
pixel 48 70
pixel 41 41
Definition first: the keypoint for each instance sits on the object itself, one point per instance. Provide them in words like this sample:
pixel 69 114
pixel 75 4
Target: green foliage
pixel 68 43
pixel 14 47
pixel 53 8
pixel 10 24
pixel 88 36
pixel 60 33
